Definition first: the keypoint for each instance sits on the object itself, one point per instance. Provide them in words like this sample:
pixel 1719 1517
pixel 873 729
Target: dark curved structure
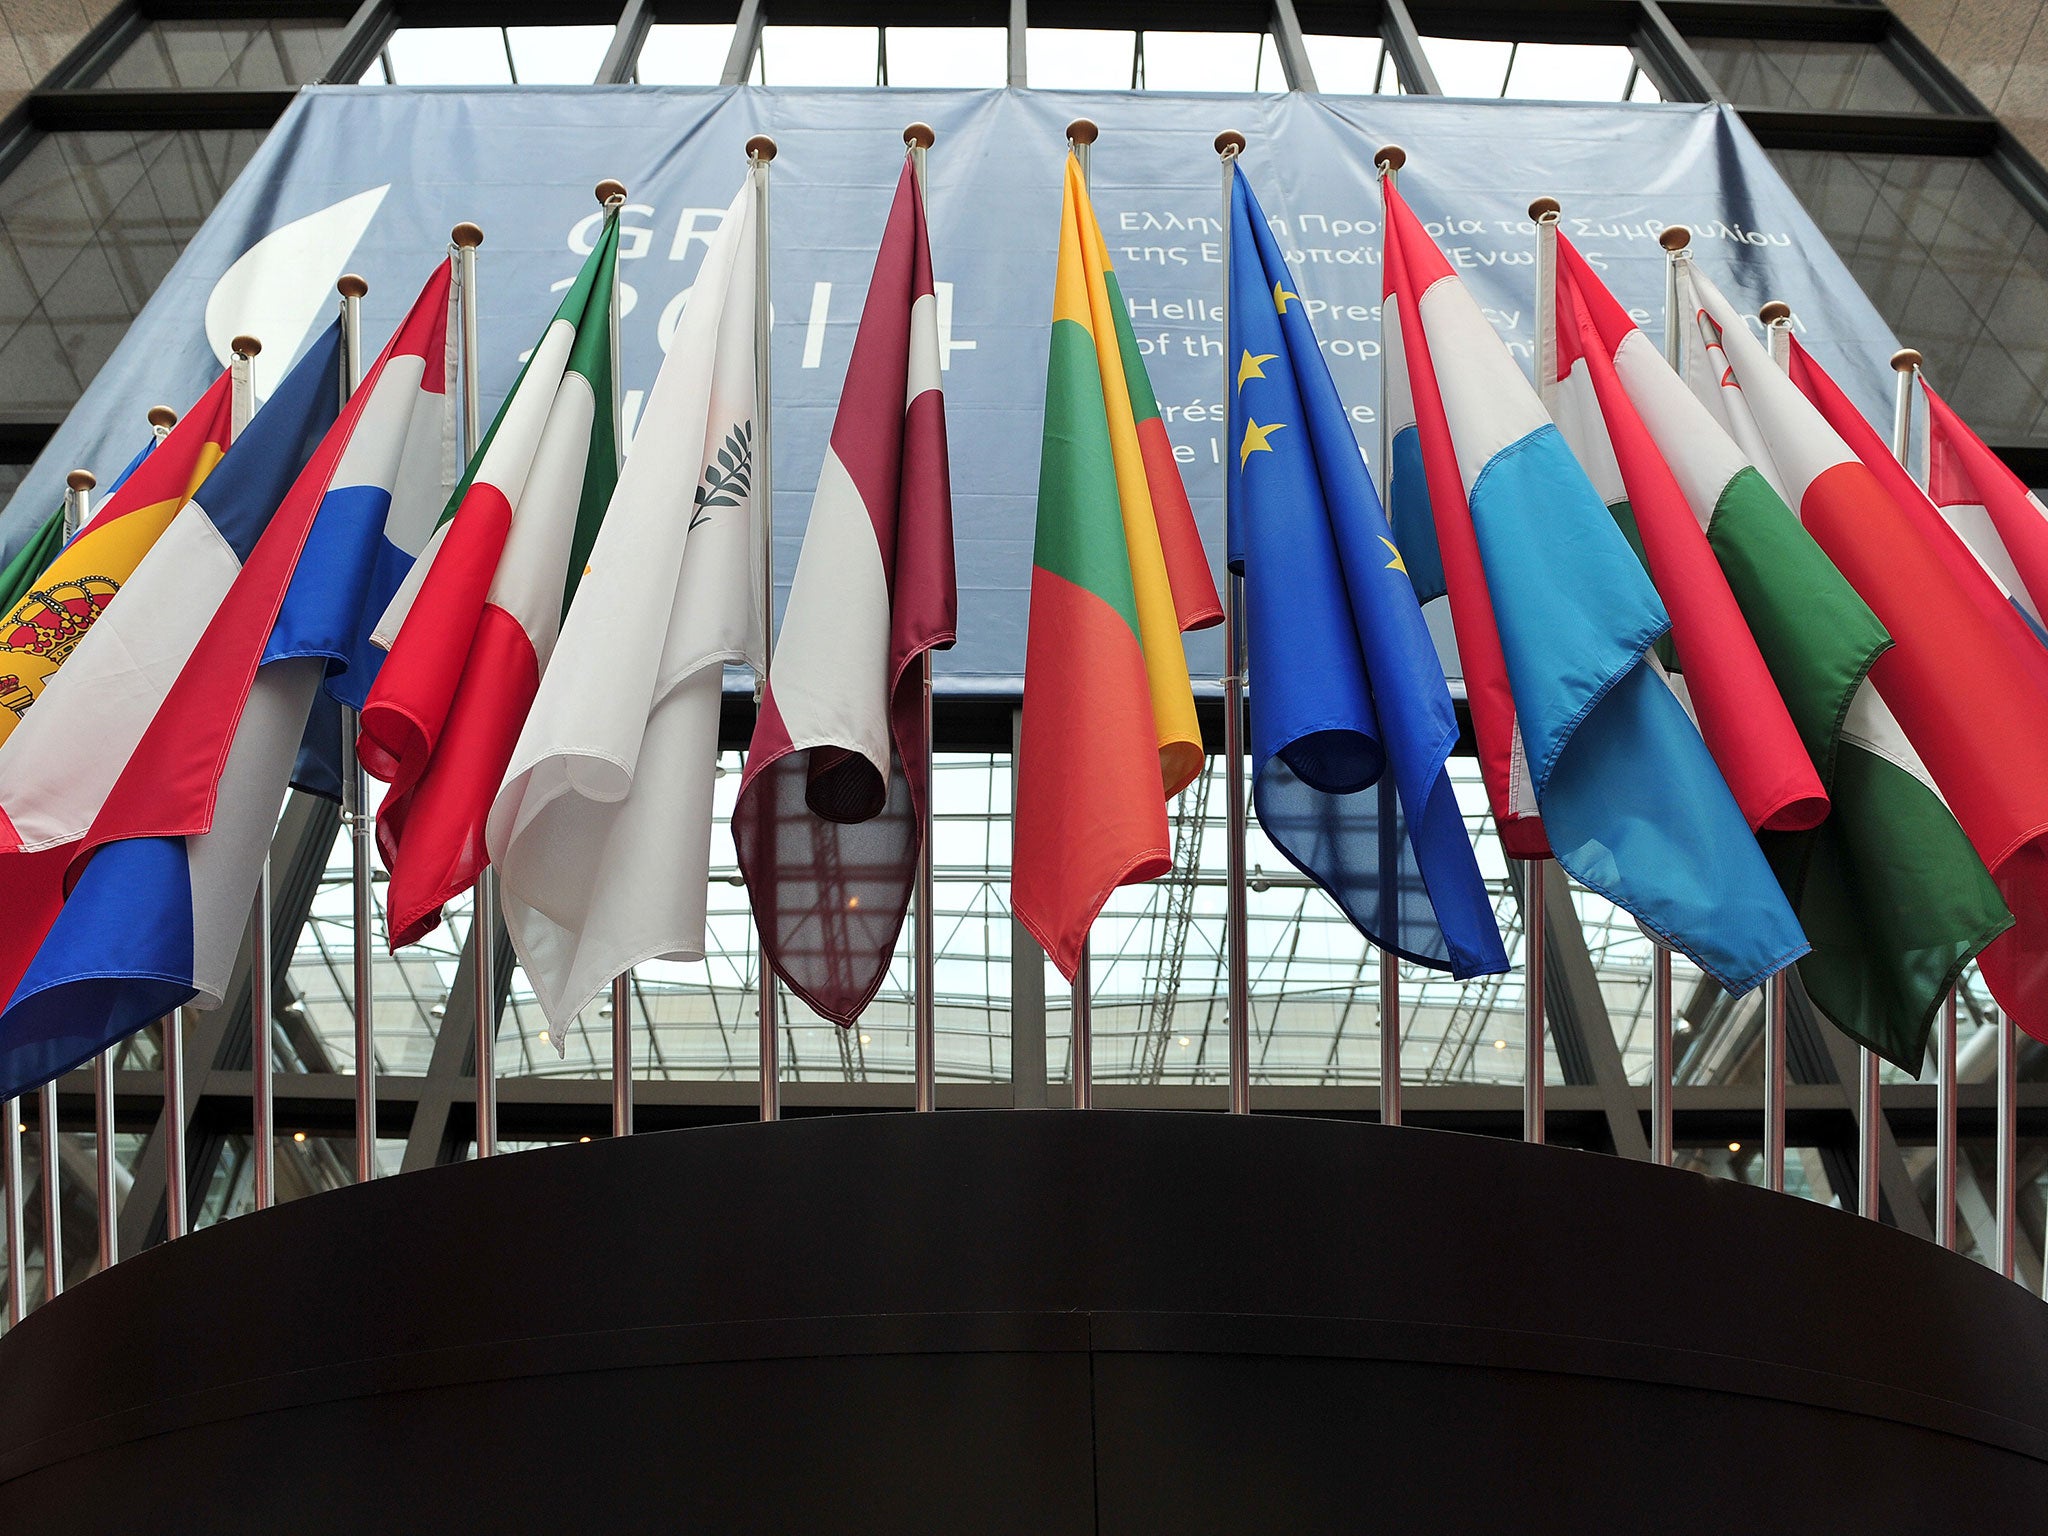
pixel 1042 1323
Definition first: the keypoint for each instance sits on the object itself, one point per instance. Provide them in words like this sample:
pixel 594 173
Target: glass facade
pixel 1808 76
pixel 209 55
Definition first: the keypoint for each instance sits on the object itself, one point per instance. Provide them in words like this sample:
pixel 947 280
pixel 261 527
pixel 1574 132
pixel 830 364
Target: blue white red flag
pixel 1630 800
pixel 164 879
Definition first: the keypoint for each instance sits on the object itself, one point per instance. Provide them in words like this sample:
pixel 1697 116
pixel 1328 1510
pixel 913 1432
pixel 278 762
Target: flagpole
pixel 1905 369
pixel 1229 145
pixel 924 999
pixel 2008 1144
pixel 1532 1002
pixel 17 1229
pixel 355 815
pixel 1081 137
pixel 1389 161
pixel 174 1123
pixel 1677 242
pixel 463 241
pixel 760 154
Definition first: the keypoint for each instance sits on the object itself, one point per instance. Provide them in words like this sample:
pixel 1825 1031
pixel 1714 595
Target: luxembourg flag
pixel 163 882
pixel 1630 800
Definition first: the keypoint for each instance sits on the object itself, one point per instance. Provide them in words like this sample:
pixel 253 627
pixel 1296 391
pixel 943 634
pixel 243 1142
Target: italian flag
pixel 1118 572
pixel 1952 716
pixel 471 629
pixel 1886 886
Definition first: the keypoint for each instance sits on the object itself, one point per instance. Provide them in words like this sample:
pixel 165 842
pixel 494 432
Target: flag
pixel 18 578
pixel 1352 725
pixel 43 626
pixel 58 768
pixel 1991 510
pixel 1437 541
pixel 602 829
pixel 471 630
pixel 1118 572
pixel 1630 800
pixel 1887 888
pixel 164 879
pixel 830 808
pixel 1959 678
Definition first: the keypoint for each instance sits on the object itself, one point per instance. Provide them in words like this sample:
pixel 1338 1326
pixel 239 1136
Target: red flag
pixel 1990 509
pixel 827 823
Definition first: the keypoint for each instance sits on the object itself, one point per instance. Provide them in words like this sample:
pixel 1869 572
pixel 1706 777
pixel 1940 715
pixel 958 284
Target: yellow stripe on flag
pixel 1166 664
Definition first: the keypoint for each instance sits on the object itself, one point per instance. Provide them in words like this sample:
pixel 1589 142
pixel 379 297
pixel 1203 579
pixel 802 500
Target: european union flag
pixel 1352 725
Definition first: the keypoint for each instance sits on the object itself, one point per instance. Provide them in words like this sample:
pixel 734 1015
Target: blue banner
pixel 370 179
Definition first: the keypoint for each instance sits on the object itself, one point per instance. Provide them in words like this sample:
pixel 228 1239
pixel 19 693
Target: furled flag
pixel 1630 799
pixel 43 627
pixel 1991 510
pixel 1352 725
pixel 1118 572
pixel 602 830
pixel 57 770
pixel 1958 679
pixel 18 579
pixel 471 630
pixel 829 812
pixel 1887 888
pixel 164 880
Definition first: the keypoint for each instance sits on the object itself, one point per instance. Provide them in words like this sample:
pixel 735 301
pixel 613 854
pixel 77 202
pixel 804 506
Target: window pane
pixel 1210 61
pixel 558 55
pixel 955 58
pixel 448 56
pixel 1954 263
pixel 1062 60
pixel 1808 76
pixel 1570 72
pixel 683 54
pixel 201 55
pixel 818 56
pixel 1468 67
pixel 89 225
pixel 1351 66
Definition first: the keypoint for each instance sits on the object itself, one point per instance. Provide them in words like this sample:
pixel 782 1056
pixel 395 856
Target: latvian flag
pixel 163 882
pixel 1630 800
pixel 828 818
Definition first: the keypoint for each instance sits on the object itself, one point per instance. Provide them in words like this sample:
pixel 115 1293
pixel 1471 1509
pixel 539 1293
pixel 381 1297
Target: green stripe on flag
pixel 1138 382
pixel 591 356
pixel 1080 518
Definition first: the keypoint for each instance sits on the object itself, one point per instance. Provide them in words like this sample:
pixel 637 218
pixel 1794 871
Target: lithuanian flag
pixel 1118 573
pixel 44 624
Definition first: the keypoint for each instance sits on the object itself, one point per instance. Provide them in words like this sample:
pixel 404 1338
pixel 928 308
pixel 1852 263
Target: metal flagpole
pixel 1776 316
pixel 2008 1186
pixel 17 1229
pixel 924 1004
pixel 611 196
pixel 1081 136
pixel 356 816
pixel 174 1122
pixel 760 153
pixel 1677 242
pixel 1237 922
pixel 1389 160
pixel 262 1120
pixel 463 241
pixel 1532 1001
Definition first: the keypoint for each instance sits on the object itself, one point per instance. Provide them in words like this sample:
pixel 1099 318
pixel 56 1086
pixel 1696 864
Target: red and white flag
pixel 828 818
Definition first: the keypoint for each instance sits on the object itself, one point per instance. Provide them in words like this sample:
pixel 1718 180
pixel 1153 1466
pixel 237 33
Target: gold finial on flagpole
pixel 245 346
pixel 1545 208
pixel 81 480
pixel 920 136
pixel 760 147
pixel 1906 359
pixel 610 193
pixel 1082 131
pixel 1390 158
pixel 1229 143
pixel 1675 238
pixel 466 236
pixel 1774 311
pixel 162 416
pixel 352 287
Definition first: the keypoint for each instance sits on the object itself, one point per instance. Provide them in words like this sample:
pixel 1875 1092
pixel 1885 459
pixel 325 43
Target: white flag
pixel 602 829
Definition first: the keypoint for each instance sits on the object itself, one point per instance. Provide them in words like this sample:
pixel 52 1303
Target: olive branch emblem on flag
pixel 727 482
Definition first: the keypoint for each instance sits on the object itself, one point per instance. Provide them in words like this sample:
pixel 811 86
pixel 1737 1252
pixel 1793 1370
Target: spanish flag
pixel 1118 573
pixel 46 623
